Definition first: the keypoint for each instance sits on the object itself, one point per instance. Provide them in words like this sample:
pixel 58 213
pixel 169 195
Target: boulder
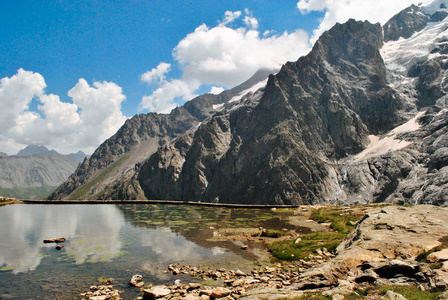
pixel 443 296
pixel 394 232
pixel 55 240
pixel 219 292
pixel 137 281
pixel 439 282
pixel 438 256
pixel 326 275
pixel 390 295
pixel 155 292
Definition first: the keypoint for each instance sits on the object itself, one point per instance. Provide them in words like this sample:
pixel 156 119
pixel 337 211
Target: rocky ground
pixel 391 248
pixel 7 200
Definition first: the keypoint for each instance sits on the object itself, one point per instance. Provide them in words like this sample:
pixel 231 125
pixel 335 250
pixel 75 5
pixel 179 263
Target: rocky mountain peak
pixel 339 125
pixel 413 19
pixel 353 40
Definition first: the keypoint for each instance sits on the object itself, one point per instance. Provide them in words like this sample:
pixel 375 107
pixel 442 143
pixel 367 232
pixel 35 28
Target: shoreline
pixel 29 201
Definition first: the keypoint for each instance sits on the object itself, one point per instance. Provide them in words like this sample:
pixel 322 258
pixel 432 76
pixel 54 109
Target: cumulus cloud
pixel 340 11
pixel 215 90
pixel 229 17
pixel 157 74
pixel 224 55
pixel 163 99
pixel 94 114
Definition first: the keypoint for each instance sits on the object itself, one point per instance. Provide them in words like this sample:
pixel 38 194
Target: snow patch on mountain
pixel 432 6
pixel 252 89
pixel 400 55
pixel 380 146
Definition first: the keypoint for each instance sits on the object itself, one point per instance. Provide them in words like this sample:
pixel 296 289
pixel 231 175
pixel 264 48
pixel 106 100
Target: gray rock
pixel 443 296
pixel 391 295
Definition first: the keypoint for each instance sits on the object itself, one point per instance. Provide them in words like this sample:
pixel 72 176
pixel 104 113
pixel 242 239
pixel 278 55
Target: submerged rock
pixel 55 240
pixel 137 281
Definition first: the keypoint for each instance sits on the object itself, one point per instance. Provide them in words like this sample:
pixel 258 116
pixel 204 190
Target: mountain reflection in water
pixel 115 241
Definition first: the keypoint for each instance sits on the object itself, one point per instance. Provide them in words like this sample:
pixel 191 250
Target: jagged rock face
pixel 136 140
pixel 344 124
pixel 157 128
pixel 405 24
pixel 277 151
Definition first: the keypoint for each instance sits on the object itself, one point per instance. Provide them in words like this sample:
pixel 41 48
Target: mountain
pixel 33 176
pixel 108 172
pixel 34 149
pixel 35 171
pixel 362 118
pixel 78 156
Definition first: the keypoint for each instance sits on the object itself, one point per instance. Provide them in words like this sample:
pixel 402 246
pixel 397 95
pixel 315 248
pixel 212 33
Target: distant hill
pixel 78 156
pixel 34 149
pixel 35 171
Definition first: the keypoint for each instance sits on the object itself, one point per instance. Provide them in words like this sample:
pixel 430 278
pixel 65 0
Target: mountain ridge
pixel 307 137
pixel 140 137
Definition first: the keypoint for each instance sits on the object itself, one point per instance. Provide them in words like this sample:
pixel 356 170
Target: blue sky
pixel 73 71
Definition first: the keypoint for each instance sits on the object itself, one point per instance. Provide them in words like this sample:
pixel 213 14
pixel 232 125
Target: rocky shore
pixel 392 246
pixel 7 200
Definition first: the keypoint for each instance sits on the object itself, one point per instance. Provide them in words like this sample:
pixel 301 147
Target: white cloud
pixel 229 17
pixel 249 20
pixel 100 107
pixel 226 56
pixel 215 90
pixel 94 115
pixel 157 74
pixel 340 11
pixel 162 100
pixel 223 56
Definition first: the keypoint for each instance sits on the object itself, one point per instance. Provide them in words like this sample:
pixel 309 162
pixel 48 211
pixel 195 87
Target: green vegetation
pixel 407 291
pixel 28 192
pixel 342 221
pixel 422 257
pixel 270 233
pixel 292 250
pixel 83 190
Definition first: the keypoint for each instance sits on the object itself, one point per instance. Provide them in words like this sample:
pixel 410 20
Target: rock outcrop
pixel 318 109
pixel 109 173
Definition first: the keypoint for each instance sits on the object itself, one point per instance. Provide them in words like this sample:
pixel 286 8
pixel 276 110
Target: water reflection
pixel 115 241
pixel 92 232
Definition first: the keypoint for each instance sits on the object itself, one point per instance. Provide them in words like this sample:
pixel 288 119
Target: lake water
pixel 118 241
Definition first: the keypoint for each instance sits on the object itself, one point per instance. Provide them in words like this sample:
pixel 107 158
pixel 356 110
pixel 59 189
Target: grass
pixel 342 222
pixel 407 291
pixel 423 257
pixel 290 250
pixel 271 233
pixel 28 192
pixel 82 191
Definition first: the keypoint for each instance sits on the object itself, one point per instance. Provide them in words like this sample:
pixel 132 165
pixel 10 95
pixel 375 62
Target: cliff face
pixel 361 118
pixel 318 109
pixel 109 171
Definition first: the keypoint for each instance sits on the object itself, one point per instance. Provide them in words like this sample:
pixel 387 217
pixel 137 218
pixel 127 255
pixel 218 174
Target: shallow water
pixel 118 241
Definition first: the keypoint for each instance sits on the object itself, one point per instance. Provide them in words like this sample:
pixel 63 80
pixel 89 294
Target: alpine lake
pixel 121 240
